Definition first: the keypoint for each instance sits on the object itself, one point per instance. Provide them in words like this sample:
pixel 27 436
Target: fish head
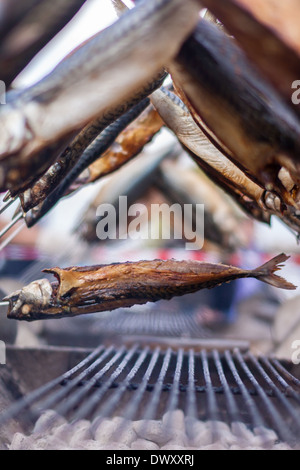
pixel 24 303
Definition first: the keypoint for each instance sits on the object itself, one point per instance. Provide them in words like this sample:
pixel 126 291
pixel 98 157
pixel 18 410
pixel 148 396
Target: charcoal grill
pixel 141 383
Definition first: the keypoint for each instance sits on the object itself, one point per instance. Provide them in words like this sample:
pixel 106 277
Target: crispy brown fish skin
pixel 248 117
pixel 129 144
pixel 107 287
pixel 274 26
pixel 36 117
pixel 69 157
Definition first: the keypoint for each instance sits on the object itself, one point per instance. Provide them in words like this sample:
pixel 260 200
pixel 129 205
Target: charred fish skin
pixel 273 25
pixel 220 169
pixel 37 116
pixel 211 68
pixel 57 172
pixel 107 287
pixel 99 146
pixel 178 118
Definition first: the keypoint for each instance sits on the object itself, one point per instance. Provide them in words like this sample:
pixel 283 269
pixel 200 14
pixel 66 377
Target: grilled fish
pixel 268 31
pixel 129 144
pixel 102 288
pixel 58 171
pixel 36 117
pixel 191 186
pixel 242 110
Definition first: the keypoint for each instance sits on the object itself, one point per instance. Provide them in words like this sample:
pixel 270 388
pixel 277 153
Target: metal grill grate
pixel 140 383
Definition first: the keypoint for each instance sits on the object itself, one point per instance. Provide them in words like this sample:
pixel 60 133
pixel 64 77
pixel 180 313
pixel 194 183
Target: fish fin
pixel 265 273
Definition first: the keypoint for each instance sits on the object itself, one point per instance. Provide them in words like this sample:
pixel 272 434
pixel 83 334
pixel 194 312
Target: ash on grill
pixel 142 398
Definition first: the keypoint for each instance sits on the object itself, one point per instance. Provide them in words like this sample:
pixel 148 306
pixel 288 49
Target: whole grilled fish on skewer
pixel 242 111
pixel 55 175
pixel 23 173
pixel 37 117
pixel 177 117
pixel 58 171
pixel 191 186
pixel 257 202
pixel 128 145
pixel 39 24
pixel 268 31
pixel 102 288
pixel 100 145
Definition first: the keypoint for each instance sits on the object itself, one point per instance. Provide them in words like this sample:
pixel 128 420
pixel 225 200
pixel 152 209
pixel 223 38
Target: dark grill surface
pixel 139 383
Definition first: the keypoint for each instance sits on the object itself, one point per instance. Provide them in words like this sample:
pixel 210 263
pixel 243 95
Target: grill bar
pixel 288 390
pixel 248 400
pixel 283 399
pixel 274 415
pixel 72 384
pixel 77 397
pixel 285 372
pixel 138 395
pixel 93 401
pixel 174 393
pixel 33 397
pixel 191 407
pixel 143 384
pixel 154 400
pixel 212 407
pixel 231 403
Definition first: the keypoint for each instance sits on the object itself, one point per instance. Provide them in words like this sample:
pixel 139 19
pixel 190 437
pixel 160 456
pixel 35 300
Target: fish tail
pixel 265 273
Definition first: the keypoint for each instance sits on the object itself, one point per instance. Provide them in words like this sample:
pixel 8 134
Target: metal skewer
pixel 12 236
pixel 7 205
pixel 11 224
pixel 4 304
pixel 6 196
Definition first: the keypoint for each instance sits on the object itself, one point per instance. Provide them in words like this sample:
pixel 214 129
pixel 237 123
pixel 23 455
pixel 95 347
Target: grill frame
pixel 141 382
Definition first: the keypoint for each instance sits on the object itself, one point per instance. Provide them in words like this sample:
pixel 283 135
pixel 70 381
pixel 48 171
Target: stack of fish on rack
pixel 229 106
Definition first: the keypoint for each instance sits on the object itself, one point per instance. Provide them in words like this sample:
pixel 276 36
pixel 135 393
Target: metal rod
pixel 277 420
pixel 153 403
pixel 4 304
pixel 133 405
pixel 6 196
pixel 138 395
pixel 61 394
pixel 191 408
pixel 36 395
pixel 7 205
pixel 287 388
pixel 231 402
pixel 278 393
pixel 174 394
pixel 94 400
pixel 249 402
pixel 213 412
pixel 12 236
pixel 11 224
pixel 78 396
pixel 285 372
